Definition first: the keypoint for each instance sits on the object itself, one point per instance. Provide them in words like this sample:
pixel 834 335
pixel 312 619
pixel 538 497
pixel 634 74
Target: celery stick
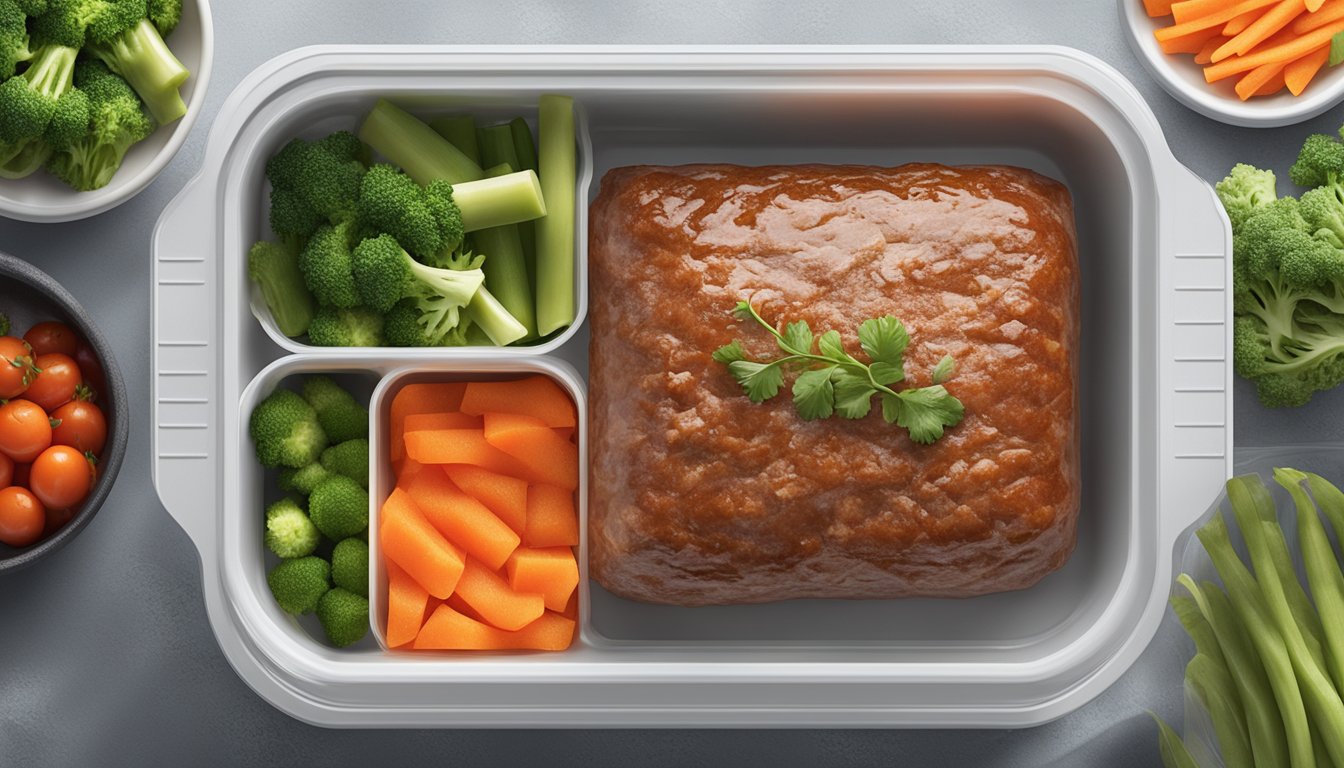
pixel 1214 688
pixel 496 142
pixel 499 200
pixel 523 147
pixel 1323 573
pixel 505 270
pixel 460 131
pixel 555 233
pixel 491 317
pixel 417 149
pixel 1171 748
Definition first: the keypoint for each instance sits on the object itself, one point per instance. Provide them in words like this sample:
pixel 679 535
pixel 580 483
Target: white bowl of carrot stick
pixel 1255 63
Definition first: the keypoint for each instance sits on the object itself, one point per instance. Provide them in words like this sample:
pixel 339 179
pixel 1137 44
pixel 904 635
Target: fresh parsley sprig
pixel 832 381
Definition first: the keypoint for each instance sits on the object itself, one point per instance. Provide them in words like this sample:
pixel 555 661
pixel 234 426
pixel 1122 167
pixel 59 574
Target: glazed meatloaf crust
pixel 698 496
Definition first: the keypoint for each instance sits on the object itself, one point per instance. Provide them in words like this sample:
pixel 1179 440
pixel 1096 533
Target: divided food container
pixel 1154 385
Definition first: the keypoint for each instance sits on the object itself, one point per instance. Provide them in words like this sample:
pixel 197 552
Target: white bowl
pixel 1184 79
pixel 44 198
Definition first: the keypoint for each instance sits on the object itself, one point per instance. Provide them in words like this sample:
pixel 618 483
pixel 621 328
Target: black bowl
pixel 29 296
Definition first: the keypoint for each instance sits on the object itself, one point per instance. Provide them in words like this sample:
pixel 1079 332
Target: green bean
pixel 1173 750
pixel 1304 614
pixel 1323 574
pixel 1214 688
pixel 1198 628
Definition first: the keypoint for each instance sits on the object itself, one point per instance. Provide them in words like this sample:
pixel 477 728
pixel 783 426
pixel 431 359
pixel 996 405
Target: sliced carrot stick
pixel 463 520
pixel 418 422
pixel 505 496
pixel 1235 26
pixel 536 396
pixel 497 602
pixel 1273 86
pixel 1186 10
pixel 1214 18
pixel 551 571
pixel 448 630
pixel 548 457
pixel 1256 79
pixel 572 607
pixel 461 446
pixel 1190 43
pixel 1331 11
pixel 407 469
pixel 551 518
pixel 1262 29
pixel 1283 53
pixel 406 601
pixel 456 602
pixel 1205 55
pixel 1314 5
pixel 1299 72
pixel 409 540
pixel 420 398
pixel 1156 8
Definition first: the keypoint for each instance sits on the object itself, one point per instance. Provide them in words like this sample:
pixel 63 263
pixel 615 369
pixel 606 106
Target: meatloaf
pixel 698 496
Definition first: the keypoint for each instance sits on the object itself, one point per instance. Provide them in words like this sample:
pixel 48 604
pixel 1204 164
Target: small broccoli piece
pixel 314 182
pixel 357 327
pixel 385 274
pixel 1319 162
pixel 302 480
pixel 339 507
pixel 344 616
pixel 122 36
pixel 4 324
pixel 402 327
pixel 341 416
pixel 423 222
pixel 68 124
pixel 350 458
pixel 285 431
pixel 289 532
pixel 13 38
pixel 1245 190
pixel 166 15
pixel 1323 210
pixel 350 566
pixel 326 264
pixel 275 268
pixel 299 584
pixel 33 7
pixel 117 122
pixel 29 101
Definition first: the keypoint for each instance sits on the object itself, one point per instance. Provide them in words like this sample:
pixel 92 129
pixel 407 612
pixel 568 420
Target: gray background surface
pixel 106 656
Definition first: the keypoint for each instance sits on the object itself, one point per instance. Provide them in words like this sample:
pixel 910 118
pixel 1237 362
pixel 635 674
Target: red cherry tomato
pixel 81 425
pixel 49 337
pixel 61 477
pixel 91 368
pixel 16 367
pixel 6 471
pixel 22 517
pixel 56 382
pixel 25 430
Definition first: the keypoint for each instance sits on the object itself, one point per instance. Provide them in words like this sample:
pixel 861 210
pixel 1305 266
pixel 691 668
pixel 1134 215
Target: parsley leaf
pixel 813 394
pixel 853 393
pixel 886 373
pixel 797 338
pixel 944 370
pixel 832 348
pixel 884 339
pixel 926 411
pixel 760 380
pixel 730 353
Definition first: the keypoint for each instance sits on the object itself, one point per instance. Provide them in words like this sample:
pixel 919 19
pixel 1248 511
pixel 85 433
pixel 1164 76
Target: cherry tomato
pixel 21 472
pixel 91 368
pixel 55 384
pixel 6 471
pixel 25 430
pixel 49 337
pixel 81 425
pixel 61 477
pixel 16 367
pixel 56 520
pixel 22 517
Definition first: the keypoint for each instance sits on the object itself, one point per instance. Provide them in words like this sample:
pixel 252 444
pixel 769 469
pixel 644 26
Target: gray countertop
pixel 106 655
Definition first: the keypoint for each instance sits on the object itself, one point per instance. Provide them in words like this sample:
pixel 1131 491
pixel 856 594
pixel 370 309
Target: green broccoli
pixel 425 221
pixel 357 327
pixel 29 101
pixel 350 565
pixel 166 15
pixel 123 37
pixel 339 507
pixel 302 480
pixel 285 431
pixel 299 584
pixel 405 325
pixel 341 416
pixel 4 324
pixel 385 274
pixel 315 182
pixel 326 264
pixel 117 121
pixel 350 458
pixel 33 7
pixel 1320 160
pixel 68 124
pixel 289 532
pixel 1245 190
pixel 344 616
pixel 275 268
pixel 13 38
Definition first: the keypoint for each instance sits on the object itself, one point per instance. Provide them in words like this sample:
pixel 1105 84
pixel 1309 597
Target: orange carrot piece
pixel 551 518
pixel 406 601
pixel 1282 53
pixel 1274 85
pixel 1215 18
pixel 1300 72
pixel 461 446
pixel 1191 43
pixel 548 457
pixel 495 600
pixel 1205 55
pixel 505 496
pixel 419 422
pixel 456 602
pixel 420 398
pixel 463 520
pixel 1333 10
pixel 1256 79
pixel 572 607
pixel 1156 8
pixel 1314 5
pixel 1270 22
pixel 551 571
pixel 408 540
pixel 1235 26
pixel 448 630
pixel 537 396
pixel 405 470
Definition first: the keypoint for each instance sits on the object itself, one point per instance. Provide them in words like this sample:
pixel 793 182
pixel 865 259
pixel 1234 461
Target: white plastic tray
pixel 1156 408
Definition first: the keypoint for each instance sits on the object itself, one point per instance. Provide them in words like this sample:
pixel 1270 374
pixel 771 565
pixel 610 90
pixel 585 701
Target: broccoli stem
pixel 460 131
pixel 141 57
pixel 25 163
pixel 505 269
pixel 526 151
pixel 499 200
pixel 491 317
pixel 416 148
pixel 555 231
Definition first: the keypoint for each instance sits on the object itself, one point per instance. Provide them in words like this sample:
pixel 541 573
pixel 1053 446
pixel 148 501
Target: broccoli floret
pixel 341 416
pixel 166 15
pixel 302 480
pixel 299 584
pixel 117 121
pixel 350 458
pixel 275 268
pixel 285 431
pixel 402 327
pixel 344 616
pixel 1320 160
pixel 326 264
pixel 289 532
pixel 350 566
pixel 357 327
pixel 1323 209
pixel 385 274
pixel 13 38
pixel 314 182
pixel 4 324
pixel 1245 190
pixel 424 221
pixel 29 101
pixel 123 37
pixel 33 7
pixel 339 507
